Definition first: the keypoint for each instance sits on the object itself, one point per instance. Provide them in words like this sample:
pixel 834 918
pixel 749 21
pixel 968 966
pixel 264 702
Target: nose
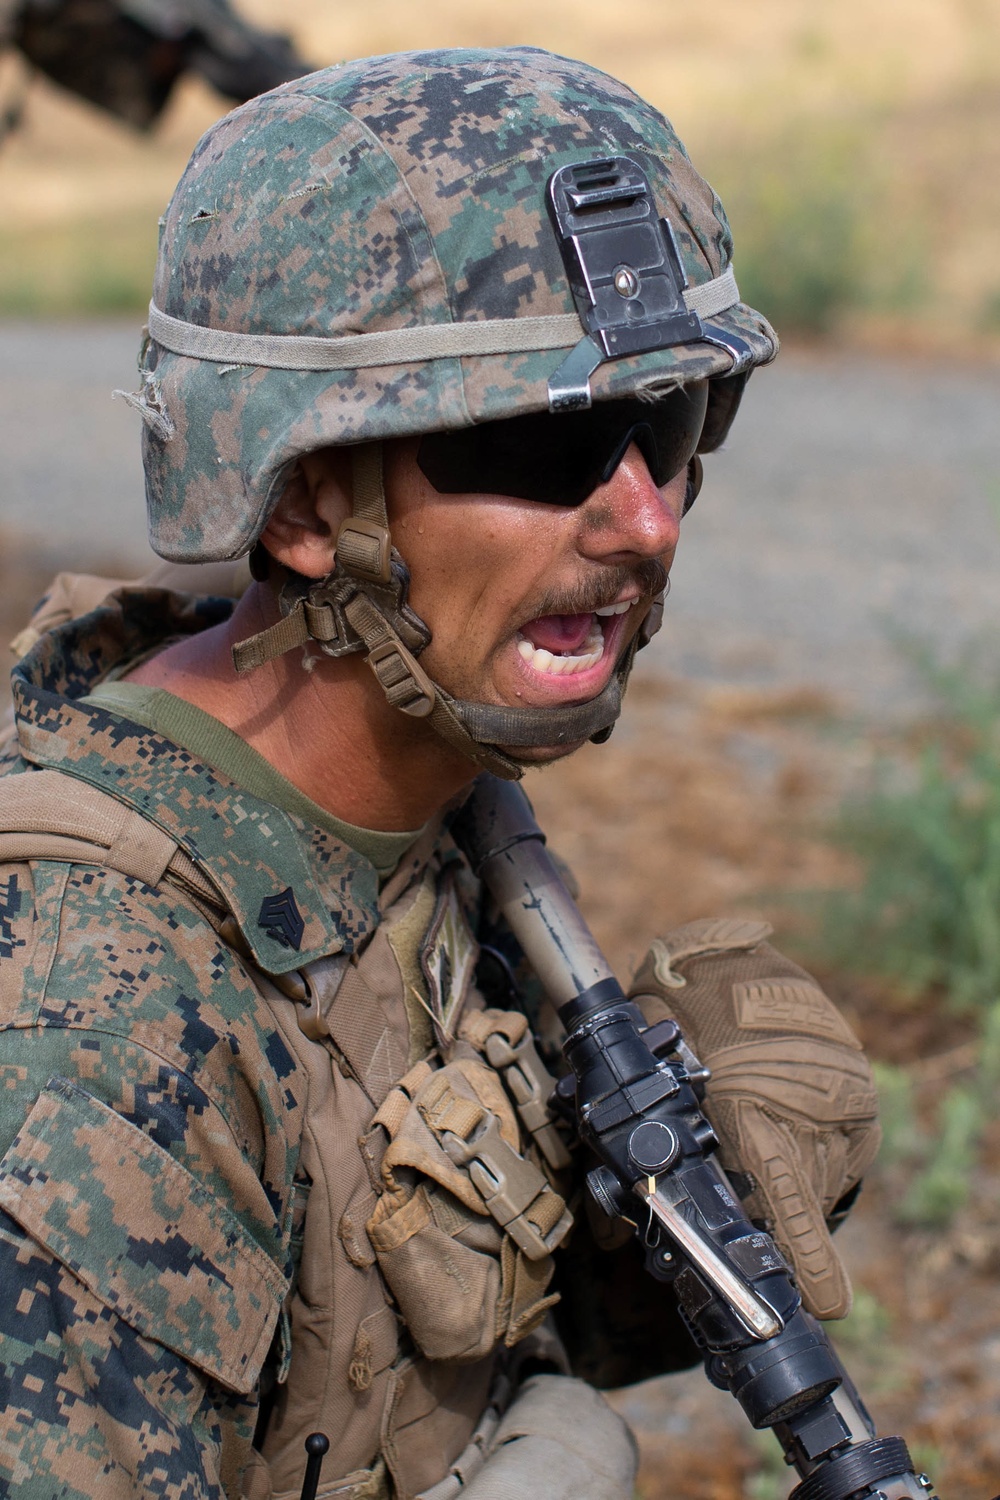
pixel 630 517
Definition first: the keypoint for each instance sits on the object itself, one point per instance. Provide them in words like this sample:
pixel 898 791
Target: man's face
pixel 529 604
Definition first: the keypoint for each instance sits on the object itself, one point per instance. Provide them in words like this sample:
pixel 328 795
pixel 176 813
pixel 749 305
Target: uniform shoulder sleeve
pixel 91 1407
pixel 142 1234
pixel 149 1128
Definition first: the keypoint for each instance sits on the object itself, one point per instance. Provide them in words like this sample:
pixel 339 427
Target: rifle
pixel 633 1092
pixel 126 55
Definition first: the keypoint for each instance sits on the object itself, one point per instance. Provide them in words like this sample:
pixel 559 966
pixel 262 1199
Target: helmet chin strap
pixel 361 606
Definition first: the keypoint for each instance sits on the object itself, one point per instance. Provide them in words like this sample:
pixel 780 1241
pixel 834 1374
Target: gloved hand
pixel 791 1096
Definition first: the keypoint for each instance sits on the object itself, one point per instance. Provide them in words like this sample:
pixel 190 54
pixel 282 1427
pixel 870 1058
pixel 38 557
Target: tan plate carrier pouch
pixel 426 1247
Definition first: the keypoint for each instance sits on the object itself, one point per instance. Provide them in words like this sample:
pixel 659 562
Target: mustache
pixel 597 592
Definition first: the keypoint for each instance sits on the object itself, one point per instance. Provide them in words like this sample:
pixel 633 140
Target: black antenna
pixel 317 1445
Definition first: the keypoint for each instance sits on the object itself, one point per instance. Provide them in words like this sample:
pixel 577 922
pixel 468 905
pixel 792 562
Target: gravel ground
pixel 857 498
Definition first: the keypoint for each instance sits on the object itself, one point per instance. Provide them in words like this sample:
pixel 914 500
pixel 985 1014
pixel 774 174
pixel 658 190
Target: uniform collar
pixel 295 891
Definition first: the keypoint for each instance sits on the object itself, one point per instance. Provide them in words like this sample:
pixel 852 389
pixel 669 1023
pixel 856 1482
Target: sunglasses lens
pixel 561 460
pixel 537 457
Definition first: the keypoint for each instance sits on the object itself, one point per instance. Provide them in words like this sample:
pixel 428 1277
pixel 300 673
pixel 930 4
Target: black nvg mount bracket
pixel 624 270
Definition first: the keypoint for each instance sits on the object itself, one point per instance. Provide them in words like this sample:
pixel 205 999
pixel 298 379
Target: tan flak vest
pixel 426 1208
pixel 408 1375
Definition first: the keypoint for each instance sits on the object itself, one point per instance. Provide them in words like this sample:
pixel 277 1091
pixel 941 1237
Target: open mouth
pixel 565 645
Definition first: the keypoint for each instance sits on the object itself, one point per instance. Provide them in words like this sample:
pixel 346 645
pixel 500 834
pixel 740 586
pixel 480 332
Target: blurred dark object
pixel 126 55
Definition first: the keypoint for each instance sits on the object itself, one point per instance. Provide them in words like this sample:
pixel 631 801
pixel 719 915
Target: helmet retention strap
pixel 363 545
pixel 360 591
pixel 404 682
pixel 364 558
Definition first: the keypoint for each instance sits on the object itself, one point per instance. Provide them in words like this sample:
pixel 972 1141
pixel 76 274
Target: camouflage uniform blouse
pixel 151 1115
pixel 145 1100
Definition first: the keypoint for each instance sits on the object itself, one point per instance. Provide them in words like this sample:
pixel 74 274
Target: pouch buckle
pixel 530 1085
pixel 510 1186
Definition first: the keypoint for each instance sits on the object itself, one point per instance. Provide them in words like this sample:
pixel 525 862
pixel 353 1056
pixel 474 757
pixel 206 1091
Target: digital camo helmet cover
pixel 331 242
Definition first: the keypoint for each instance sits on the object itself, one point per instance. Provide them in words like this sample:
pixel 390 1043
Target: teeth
pixel 556 666
pixel 615 609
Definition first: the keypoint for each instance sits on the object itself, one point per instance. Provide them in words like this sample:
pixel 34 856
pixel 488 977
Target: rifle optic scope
pixel 632 1091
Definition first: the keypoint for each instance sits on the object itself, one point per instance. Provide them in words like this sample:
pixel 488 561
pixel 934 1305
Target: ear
pixel 302 531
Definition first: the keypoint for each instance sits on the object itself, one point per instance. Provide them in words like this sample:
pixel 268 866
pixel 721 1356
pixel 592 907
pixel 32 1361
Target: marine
pixel 437 342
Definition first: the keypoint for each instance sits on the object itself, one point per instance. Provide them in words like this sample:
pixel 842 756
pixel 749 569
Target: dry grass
pixel 883 118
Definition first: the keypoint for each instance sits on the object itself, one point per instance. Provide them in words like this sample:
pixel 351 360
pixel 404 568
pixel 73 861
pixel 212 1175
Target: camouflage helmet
pixel 367 253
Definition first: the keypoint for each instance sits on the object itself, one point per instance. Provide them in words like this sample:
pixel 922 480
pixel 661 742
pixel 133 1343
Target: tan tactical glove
pixel 791 1096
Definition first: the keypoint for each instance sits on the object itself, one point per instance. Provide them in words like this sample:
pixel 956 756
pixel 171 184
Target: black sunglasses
pixel 561 459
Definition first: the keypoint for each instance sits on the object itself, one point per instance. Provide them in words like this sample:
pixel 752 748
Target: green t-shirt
pixel 218 746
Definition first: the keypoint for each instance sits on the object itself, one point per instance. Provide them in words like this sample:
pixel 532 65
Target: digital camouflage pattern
pixel 151 1106
pixel 254 851
pixel 383 194
pixel 150 1117
pixel 158 1132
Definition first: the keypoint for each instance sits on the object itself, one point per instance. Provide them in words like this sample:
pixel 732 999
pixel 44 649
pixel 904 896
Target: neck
pixel 328 730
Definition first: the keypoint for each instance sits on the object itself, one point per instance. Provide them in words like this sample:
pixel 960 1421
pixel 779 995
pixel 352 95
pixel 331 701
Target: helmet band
pixel 400 346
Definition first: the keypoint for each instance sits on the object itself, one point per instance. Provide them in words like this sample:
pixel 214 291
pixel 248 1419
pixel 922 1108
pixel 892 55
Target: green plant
pixel 927 914
pixel 940 1187
pixel 866 1328
pixel 770 1477
pixel 90 266
pixel 810 235
pixel 797 218
pixel 927 917
pixel 937 1150
pixel 990 311
pixel 902 1137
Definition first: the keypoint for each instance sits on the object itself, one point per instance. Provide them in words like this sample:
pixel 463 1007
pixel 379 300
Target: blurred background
pixel 814 734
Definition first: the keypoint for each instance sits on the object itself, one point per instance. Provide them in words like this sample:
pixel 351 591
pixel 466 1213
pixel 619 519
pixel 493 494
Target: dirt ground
pixel 709 800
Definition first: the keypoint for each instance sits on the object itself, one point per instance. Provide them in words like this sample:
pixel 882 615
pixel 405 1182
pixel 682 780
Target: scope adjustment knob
pixel 652 1146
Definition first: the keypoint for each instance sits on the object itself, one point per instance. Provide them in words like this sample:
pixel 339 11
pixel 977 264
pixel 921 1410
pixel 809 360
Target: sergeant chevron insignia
pixel 281 919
